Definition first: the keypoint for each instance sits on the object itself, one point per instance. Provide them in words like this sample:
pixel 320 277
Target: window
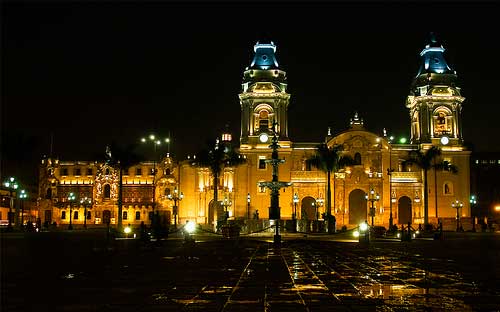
pixel 78 171
pixel 357 159
pixel 106 172
pixel 261 189
pixel 89 215
pixel 89 171
pixel 150 215
pixel 262 162
pixel 63 215
pixel 152 171
pixel 167 191
pixel 48 195
pixel 263 120
pixel 125 215
pixel 138 215
pixel 167 171
pixel 448 188
pixel 75 215
pixel 138 171
pixel 64 171
pixel 125 172
pixel 107 191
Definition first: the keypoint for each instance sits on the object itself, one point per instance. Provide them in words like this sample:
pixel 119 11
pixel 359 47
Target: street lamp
pixel 457 205
pixel 374 197
pixel 152 139
pixel 321 202
pixel 86 202
pixel 12 185
pixel 226 202
pixel 22 196
pixel 473 202
pixel 294 215
pixel 248 206
pixel 71 199
pixel 176 198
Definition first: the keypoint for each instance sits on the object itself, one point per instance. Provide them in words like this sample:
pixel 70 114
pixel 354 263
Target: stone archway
pixel 357 207
pixel 308 208
pixel 404 210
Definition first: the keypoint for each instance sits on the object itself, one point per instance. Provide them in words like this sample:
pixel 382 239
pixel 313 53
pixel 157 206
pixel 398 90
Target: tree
pixel 425 161
pixel 328 160
pixel 123 158
pixel 216 156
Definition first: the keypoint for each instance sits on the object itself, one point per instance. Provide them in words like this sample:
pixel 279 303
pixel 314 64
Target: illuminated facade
pixel 434 106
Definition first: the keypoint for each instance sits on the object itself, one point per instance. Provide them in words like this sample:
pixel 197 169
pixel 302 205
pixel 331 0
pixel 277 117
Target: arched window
pixel 448 188
pixel 125 215
pixel 89 215
pixel 263 120
pixel 107 191
pixel 107 171
pixel 167 191
pixel 442 121
pixel 63 215
pixel 357 159
pixel 138 215
pixel 48 195
pixel 75 215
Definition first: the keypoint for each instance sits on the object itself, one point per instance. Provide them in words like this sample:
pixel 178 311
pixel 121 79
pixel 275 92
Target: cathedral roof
pixel 264 57
pixel 432 59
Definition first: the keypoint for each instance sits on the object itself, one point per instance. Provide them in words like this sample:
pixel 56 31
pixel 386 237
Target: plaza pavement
pixel 85 271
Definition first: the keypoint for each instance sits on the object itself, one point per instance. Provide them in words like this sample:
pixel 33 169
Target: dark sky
pixel 92 72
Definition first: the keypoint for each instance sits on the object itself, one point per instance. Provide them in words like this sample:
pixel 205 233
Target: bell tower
pixel 263 100
pixel 435 102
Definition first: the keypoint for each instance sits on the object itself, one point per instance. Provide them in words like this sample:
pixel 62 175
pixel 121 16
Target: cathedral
pixel 380 185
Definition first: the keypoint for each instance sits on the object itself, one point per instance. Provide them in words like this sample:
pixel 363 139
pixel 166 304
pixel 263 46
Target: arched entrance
pixel 211 212
pixel 106 217
pixel 357 207
pixel 308 208
pixel 404 210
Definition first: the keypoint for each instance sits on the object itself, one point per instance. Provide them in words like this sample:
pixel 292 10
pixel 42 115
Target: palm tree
pixel 425 161
pixel 123 158
pixel 329 159
pixel 216 156
pixel 445 166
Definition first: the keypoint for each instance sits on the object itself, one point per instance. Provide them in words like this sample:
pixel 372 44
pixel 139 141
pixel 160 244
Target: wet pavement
pixel 86 272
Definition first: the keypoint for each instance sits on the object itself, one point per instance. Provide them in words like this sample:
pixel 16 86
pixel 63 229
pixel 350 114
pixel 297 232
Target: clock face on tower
pixel 445 140
pixel 263 137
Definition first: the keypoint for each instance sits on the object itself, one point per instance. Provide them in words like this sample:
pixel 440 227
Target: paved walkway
pixel 64 273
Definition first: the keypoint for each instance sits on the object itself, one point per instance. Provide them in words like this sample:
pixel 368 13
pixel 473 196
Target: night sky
pixel 93 73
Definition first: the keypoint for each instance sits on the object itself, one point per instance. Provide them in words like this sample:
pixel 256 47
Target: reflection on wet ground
pixel 247 276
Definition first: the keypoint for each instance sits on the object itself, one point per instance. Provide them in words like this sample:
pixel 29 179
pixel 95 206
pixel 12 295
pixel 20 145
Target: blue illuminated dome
pixel 264 57
pixel 432 59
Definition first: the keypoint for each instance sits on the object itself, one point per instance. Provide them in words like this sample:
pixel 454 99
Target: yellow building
pixel 434 106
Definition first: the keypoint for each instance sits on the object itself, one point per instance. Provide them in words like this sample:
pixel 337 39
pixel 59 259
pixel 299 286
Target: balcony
pixel 406 177
pixel 308 176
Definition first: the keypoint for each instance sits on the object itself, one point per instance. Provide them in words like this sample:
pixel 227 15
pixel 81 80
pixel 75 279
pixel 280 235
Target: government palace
pixel 379 184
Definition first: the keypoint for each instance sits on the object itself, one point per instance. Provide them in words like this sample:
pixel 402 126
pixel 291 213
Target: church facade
pixel 381 185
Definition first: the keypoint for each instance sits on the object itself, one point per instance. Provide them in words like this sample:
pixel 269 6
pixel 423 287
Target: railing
pixel 308 176
pixel 406 176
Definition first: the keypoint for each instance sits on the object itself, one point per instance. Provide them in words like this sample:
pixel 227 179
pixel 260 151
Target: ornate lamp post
pixel 226 202
pixel 372 198
pixel 473 202
pixel 71 199
pixel 86 202
pixel 248 206
pixel 12 185
pixel 390 170
pixel 274 186
pixel 22 196
pixel 294 215
pixel 321 202
pixel 457 205
pixel 152 139
pixel 176 198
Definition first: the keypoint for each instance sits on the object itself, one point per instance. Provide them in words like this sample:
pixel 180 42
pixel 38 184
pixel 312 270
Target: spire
pixel 264 57
pixel 432 59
